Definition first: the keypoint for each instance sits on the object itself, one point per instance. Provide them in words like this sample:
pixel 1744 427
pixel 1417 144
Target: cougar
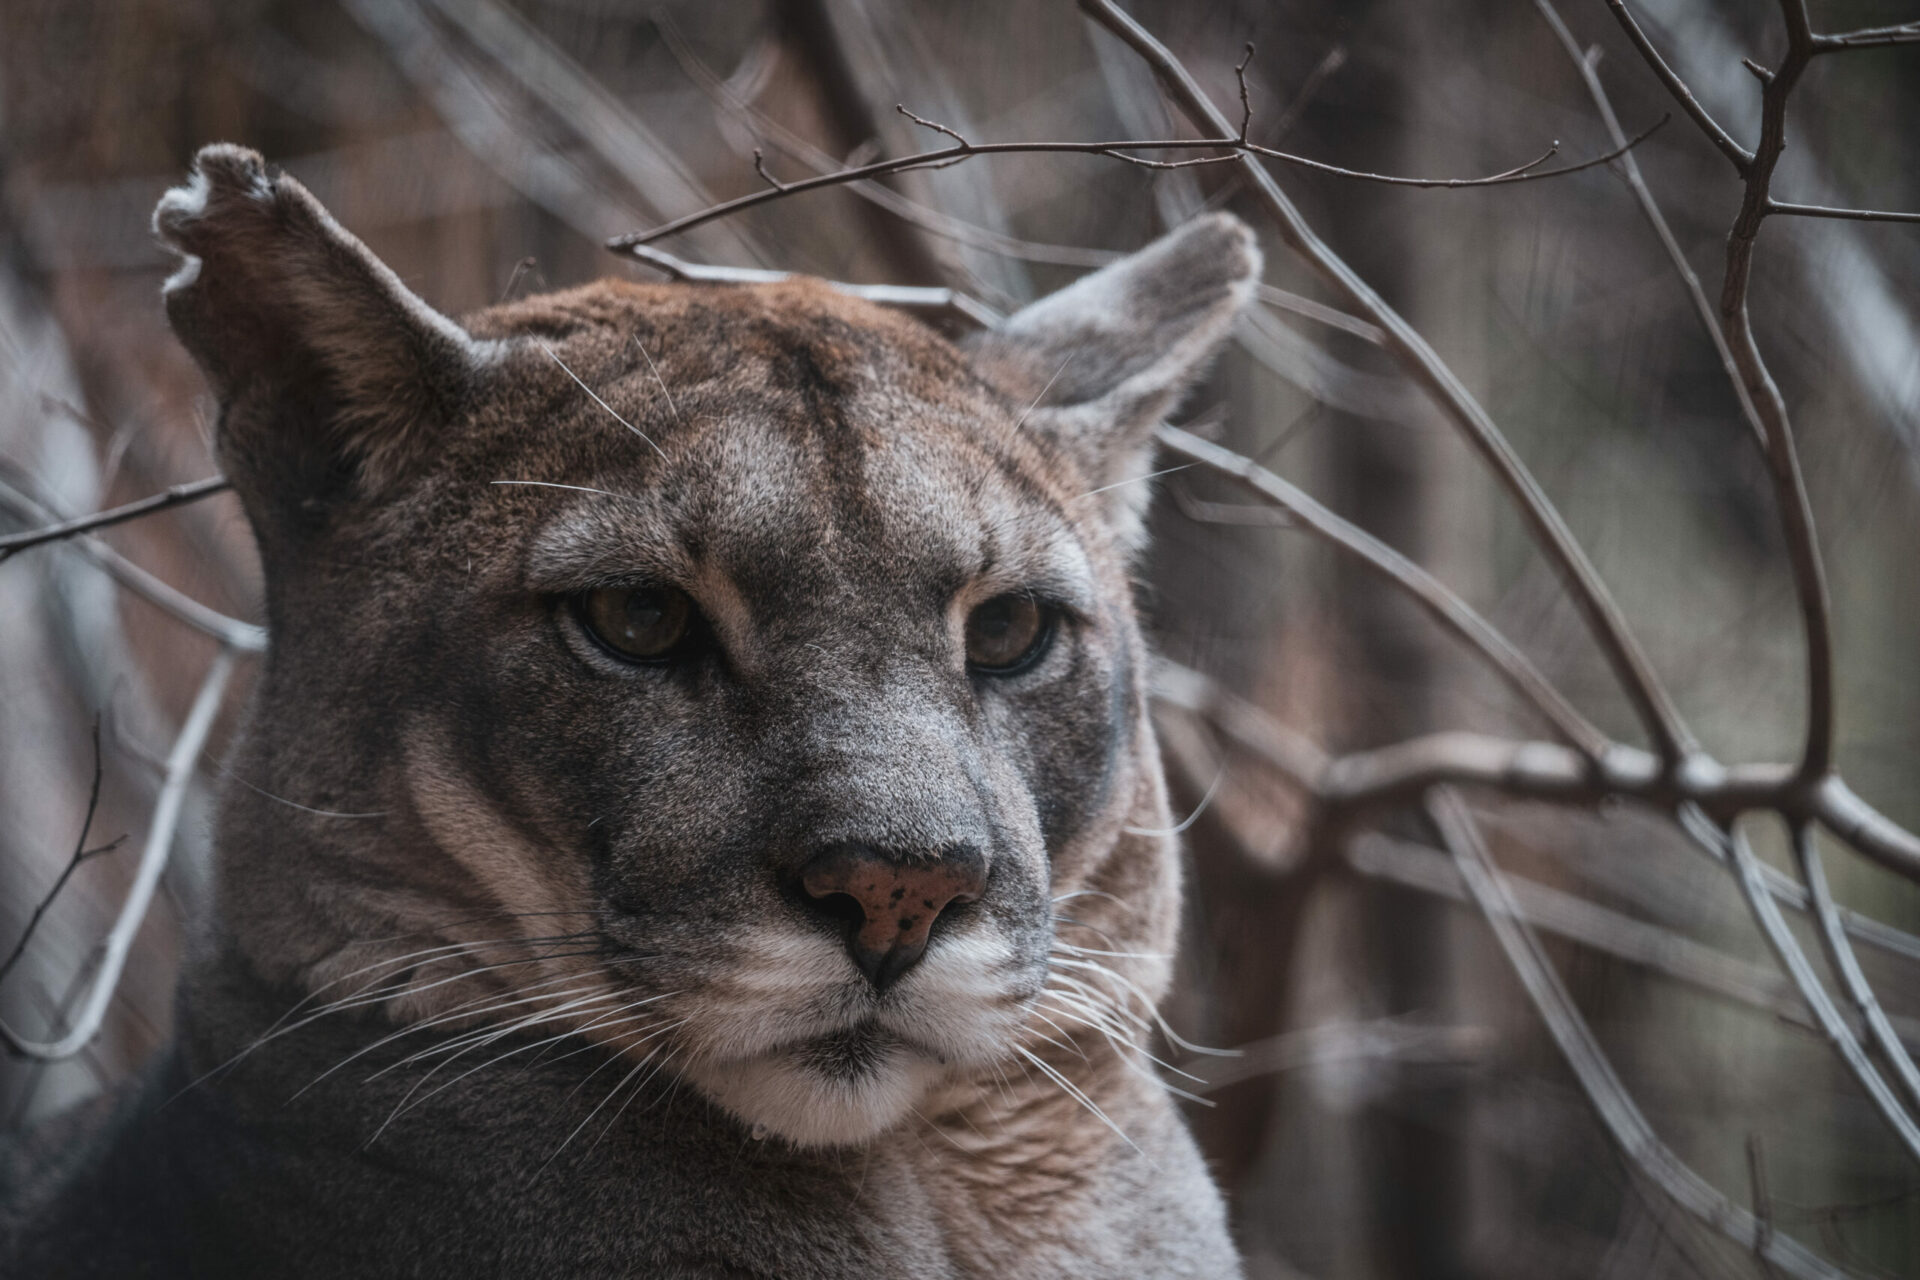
pixel 698 813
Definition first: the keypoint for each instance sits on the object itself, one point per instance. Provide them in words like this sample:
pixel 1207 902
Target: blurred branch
pixel 1842 961
pixel 1654 1163
pixel 174 496
pixel 1234 148
pixel 947 303
pixel 230 632
pixel 1728 843
pixel 1597 928
pixel 1628 167
pixel 1589 592
pixel 113 948
pixel 1440 603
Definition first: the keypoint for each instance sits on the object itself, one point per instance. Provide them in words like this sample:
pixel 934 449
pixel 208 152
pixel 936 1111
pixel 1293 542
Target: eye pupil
pixel 642 623
pixel 1006 634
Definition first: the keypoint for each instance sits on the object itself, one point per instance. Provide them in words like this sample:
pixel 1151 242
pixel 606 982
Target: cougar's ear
pixel 1115 350
pixel 332 377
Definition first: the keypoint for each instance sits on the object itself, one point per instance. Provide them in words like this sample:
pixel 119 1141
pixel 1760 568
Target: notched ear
pixel 1115 350
pixel 329 371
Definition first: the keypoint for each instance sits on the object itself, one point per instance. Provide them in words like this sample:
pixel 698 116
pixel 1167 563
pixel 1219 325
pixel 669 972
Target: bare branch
pixel 1628 167
pixel 1783 459
pixel 1727 842
pixel 174 496
pixel 1789 209
pixel 80 854
pixel 1868 38
pixel 1589 592
pixel 1840 958
pixel 1231 149
pixel 1836 807
pixel 113 948
pixel 937 301
pixel 1733 151
pixel 1663 951
pixel 1440 603
pixel 1646 1155
pixel 231 632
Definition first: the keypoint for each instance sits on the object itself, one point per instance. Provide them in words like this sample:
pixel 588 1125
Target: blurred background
pixel 1398 1110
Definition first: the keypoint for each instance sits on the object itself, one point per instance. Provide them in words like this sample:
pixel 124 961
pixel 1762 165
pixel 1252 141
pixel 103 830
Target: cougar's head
pixel 741 674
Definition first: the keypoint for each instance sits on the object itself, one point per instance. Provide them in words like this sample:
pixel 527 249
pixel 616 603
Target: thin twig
pixel 80 854
pixel 1231 149
pixel 1628 167
pixel 1782 457
pixel 1660 950
pixel 1648 1157
pixel 1429 592
pixel 174 496
pixel 113 948
pixel 1868 38
pixel 1729 842
pixel 1792 210
pixel 1590 596
pixel 1840 958
pixel 231 632
pixel 1733 151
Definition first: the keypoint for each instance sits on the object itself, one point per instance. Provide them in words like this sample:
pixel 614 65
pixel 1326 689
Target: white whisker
pixel 597 400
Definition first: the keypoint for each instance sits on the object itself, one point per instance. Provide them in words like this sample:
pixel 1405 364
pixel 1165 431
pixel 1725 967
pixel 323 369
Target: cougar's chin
pixel 835 1090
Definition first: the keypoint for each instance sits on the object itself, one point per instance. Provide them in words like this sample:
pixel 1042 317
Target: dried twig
pixel 230 632
pixel 115 945
pixel 1650 1159
pixel 1868 38
pixel 1590 596
pixel 1740 157
pixel 1440 603
pixel 1728 842
pixel 80 854
pixel 1790 209
pixel 174 496
pixel 1842 961
pixel 1232 148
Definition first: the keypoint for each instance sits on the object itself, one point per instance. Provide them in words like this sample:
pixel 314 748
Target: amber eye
pixel 1006 634
pixel 645 624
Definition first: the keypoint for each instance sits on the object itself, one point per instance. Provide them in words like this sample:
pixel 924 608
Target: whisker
pixel 658 379
pixel 602 403
pixel 1172 1036
pixel 1073 1091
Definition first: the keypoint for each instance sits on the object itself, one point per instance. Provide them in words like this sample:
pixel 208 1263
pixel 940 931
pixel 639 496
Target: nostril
pixel 888 902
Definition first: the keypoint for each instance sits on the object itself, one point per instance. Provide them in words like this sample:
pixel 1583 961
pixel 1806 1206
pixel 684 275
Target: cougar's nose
pixel 891 900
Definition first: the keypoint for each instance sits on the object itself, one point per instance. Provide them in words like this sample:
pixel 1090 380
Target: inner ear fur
pixel 1110 355
pixel 329 371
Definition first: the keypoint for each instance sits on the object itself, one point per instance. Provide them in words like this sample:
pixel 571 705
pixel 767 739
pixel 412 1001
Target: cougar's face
pixel 815 684
pixel 753 653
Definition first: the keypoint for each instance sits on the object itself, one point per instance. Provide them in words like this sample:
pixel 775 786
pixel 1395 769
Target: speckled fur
pixel 438 757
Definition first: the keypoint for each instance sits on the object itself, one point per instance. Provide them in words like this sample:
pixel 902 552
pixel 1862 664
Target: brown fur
pixel 836 486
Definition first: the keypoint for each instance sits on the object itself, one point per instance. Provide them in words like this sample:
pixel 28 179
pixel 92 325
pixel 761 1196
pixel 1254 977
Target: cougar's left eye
pixel 1007 634
pixel 642 624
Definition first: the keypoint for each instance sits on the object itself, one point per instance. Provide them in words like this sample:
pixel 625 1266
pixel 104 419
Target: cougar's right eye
pixel 640 624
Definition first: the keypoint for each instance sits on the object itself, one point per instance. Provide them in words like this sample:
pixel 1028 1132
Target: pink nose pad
pixel 898 900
